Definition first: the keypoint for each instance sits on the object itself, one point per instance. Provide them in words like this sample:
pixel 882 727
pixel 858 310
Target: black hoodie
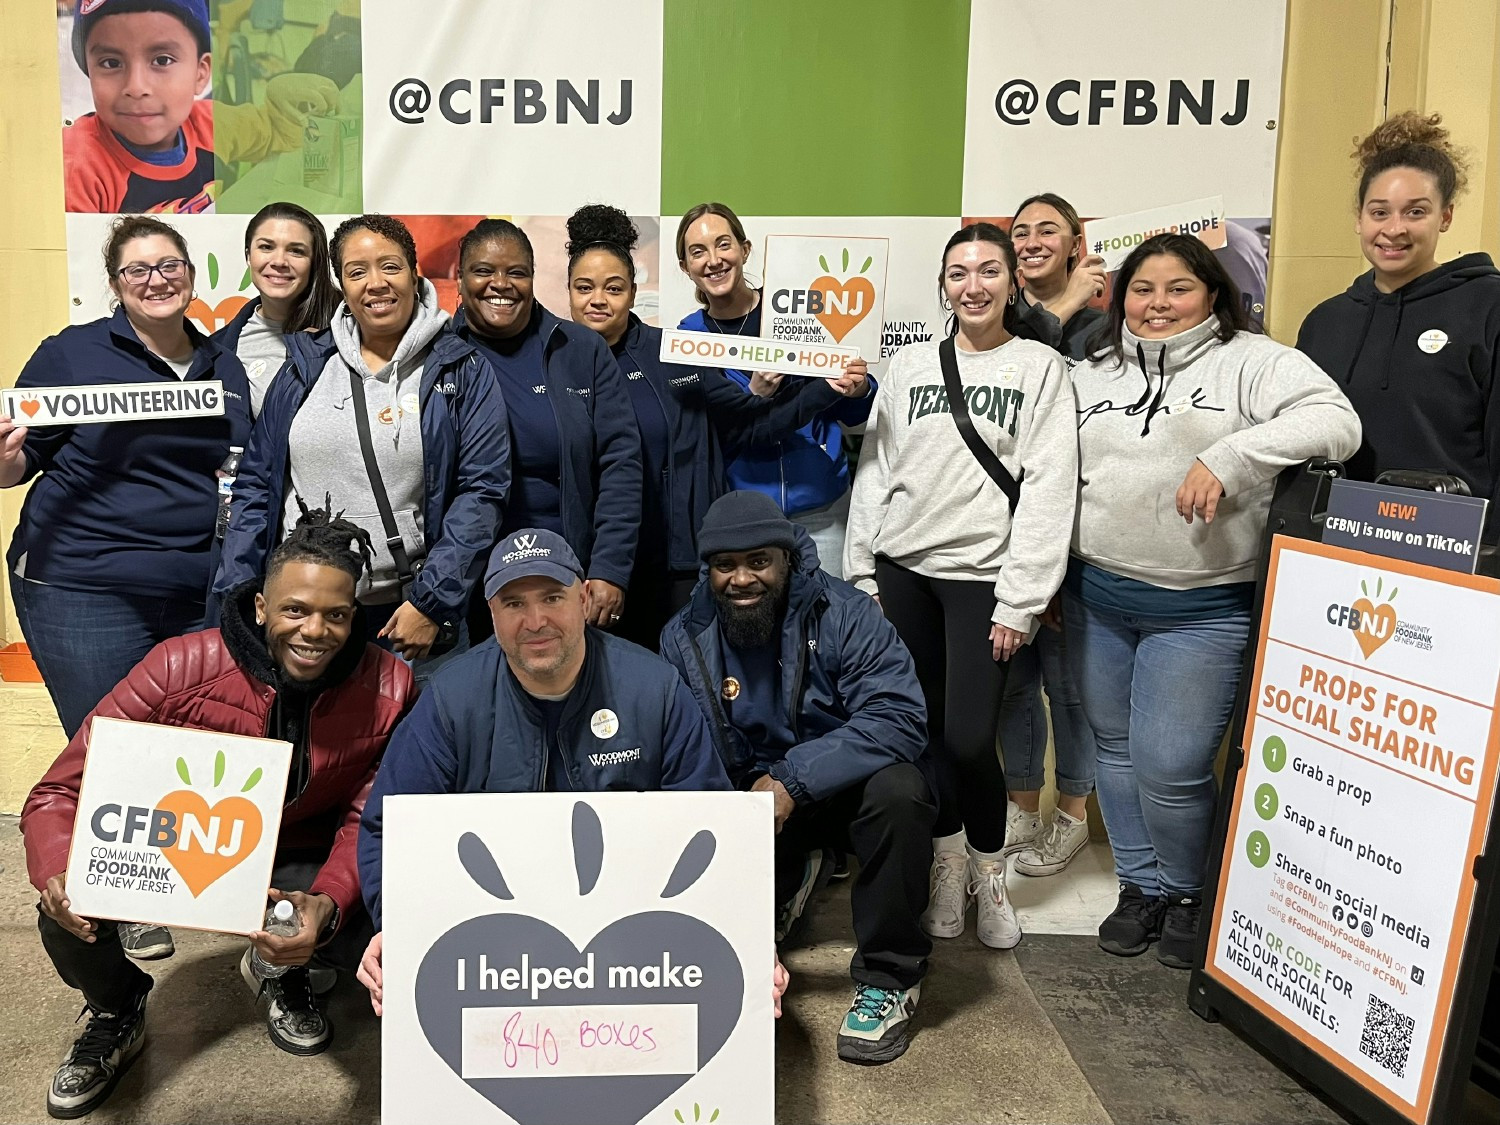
pixel 1420 366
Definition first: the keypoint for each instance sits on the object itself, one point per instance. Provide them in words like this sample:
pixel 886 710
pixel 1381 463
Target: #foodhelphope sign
pixel 176 826
pixel 557 958
pixel 825 290
pixel 1370 709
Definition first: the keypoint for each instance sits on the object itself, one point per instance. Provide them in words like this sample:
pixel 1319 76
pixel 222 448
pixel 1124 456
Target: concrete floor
pixel 1056 1032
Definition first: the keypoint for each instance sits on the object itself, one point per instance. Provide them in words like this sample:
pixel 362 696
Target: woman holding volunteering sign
pixel 806 473
pixel 401 423
pixel 959 525
pixel 691 420
pixel 1414 344
pixel 1059 281
pixel 286 254
pixel 111 553
pixel 574 445
pixel 1184 420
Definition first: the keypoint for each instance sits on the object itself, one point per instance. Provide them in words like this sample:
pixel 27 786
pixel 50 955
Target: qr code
pixel 1387 1036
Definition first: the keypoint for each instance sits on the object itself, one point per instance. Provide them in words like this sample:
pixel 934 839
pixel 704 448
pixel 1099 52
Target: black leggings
pixel 946 625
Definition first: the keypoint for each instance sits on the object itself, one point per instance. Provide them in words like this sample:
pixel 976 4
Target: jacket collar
pixel 205 350
pixel 246 642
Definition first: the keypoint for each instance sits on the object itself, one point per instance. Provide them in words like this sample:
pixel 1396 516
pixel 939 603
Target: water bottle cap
pixel 283 910
pixel 236 449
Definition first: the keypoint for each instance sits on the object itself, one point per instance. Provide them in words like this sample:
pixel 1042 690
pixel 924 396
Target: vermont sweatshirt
pixel 924 502
pixel 1247 409
pixel 1419 365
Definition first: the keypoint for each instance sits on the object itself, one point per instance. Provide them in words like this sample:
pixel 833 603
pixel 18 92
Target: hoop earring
pixel 1011 299
pixel 947 305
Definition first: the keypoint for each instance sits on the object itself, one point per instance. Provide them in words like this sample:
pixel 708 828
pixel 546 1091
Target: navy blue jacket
pixel 465 458
pixel 476 730
pixel 806 469
pixel 848 682
pixel 600 472
pixel 126 507
pixel 711 420
pixel 228 337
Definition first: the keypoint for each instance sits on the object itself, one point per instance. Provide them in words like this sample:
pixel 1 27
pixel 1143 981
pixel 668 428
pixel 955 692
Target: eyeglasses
pixel 138 273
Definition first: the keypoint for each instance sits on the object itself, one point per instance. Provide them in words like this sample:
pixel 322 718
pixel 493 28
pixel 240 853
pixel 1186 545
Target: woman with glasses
pixel 112 551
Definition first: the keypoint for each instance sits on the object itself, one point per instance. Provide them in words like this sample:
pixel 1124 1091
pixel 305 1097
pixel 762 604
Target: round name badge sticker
pixel 410 403
pixel 730 688
pixel 604 723
pixel 1432 341
pixel 1009 371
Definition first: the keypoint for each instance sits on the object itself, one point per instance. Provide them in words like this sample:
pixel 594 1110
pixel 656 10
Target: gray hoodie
pixel 325 450
pixel 1247 409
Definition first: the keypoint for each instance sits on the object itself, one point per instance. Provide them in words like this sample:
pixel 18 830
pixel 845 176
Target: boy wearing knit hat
pixel 812 697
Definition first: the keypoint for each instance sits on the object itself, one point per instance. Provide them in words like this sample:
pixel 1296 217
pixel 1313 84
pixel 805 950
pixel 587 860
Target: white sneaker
pixel 947 901
pixel 1022 829
pixel 1056 847
pixel 997 927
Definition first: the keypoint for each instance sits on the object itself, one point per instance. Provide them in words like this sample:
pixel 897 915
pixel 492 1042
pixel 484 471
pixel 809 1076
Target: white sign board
pixel 823 290
pixel 1372 710
pixel 112 402
pixel 1113 239
pixel 750 353
pixel 560 957
pixel 177 826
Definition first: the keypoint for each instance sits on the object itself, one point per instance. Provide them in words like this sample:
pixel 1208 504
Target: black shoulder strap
pixel 987 458
pixel 393 538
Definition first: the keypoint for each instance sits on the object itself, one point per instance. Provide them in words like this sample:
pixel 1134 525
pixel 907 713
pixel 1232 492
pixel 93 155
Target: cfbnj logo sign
pixel 1131 101
pixel 462 101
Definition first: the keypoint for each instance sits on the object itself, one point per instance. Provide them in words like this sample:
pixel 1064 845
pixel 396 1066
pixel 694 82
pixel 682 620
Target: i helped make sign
pixel 559 957
pixel 176 827
pixel 1370 709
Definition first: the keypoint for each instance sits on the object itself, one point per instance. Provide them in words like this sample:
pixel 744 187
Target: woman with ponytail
pixel 691 421
pixel 1415 344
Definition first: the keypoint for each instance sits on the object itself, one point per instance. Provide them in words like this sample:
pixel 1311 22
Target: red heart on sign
pixel 29 407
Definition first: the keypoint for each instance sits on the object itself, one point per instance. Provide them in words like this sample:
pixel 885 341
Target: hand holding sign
pixel 1087 281
pixel 55 905
pixel 12 455
pixel 855 381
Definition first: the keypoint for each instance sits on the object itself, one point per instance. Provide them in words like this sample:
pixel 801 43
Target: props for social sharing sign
pixel 823 290
pixel 1114 239
pixel 511 998
pixel 751 353
pixel 176 827
pixel 112 402
pixel 1370 708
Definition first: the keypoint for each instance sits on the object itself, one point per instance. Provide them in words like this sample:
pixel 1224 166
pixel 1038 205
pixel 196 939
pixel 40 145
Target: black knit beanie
pixel 743 521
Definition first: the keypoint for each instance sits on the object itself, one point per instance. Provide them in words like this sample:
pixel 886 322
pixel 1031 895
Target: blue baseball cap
pixel 529 553
pixel 193 13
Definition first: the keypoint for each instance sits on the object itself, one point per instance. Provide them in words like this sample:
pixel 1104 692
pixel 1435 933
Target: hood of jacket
pixel 427 320
pixel 246 642
pixel 804 582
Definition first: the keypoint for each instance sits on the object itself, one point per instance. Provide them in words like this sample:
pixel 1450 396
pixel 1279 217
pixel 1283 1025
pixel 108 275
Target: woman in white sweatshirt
pixel 1184 420
pixel 962 577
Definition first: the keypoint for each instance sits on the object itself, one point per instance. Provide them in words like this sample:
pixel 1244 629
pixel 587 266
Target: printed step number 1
pixel 1257 845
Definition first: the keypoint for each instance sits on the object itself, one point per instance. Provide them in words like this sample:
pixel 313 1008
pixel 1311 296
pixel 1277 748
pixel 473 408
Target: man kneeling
pixel 281 665
pixel 812 697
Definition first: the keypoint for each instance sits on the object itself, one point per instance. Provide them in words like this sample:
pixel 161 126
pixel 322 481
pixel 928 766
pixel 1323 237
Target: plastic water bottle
pixel 282 921
pixel 227 473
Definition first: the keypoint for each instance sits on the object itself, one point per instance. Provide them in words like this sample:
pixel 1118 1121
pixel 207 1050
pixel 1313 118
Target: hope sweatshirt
pixel 1247 409
pixel 922 501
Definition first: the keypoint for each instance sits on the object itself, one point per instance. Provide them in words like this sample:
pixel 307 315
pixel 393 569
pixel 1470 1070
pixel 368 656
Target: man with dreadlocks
pixel 281 665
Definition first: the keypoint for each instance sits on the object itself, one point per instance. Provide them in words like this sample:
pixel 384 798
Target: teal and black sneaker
pixel 874 1028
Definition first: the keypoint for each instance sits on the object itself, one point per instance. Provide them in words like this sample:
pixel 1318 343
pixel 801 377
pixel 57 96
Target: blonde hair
pixel 1411 140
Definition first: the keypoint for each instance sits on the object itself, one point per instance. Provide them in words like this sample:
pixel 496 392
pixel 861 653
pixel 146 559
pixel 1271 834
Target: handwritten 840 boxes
pixel 557 957
pixel 176 827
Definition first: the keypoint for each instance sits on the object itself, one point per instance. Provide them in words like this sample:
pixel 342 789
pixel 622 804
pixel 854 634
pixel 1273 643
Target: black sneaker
pixel 145 941
pixel 791 919
pixel 1179 932
pixel 293 1020
pixel 1134 925
pixel 98 1058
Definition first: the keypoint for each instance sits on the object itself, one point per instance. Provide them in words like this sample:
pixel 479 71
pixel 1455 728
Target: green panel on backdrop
pixel 814 107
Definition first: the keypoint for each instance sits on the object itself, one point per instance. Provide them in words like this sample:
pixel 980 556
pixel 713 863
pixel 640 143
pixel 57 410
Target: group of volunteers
pixel 1052 494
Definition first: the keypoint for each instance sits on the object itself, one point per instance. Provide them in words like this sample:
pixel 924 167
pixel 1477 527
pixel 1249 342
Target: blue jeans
pixel 85 642
pixel 1159 695
pixel 826 526
pixel 1023 725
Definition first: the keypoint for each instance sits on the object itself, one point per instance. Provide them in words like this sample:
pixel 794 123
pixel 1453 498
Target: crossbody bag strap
pixel 393 539
pixel 988 460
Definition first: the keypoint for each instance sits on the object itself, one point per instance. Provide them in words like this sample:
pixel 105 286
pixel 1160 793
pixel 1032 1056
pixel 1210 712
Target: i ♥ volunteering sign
pixel 112 402
pixel 176 827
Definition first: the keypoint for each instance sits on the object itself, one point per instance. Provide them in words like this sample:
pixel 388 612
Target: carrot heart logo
pixel 210 841
pixel 1374 624
pixel 29 407
pixel 845 303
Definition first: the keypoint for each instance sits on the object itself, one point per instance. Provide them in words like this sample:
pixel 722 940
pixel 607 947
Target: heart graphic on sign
pixel 29 406
pixel 239 826
pixel 639 940
pixel 845 303
pixel 1376 625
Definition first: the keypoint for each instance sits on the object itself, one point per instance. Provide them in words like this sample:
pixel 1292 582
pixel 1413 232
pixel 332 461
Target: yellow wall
pixel 1443 55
